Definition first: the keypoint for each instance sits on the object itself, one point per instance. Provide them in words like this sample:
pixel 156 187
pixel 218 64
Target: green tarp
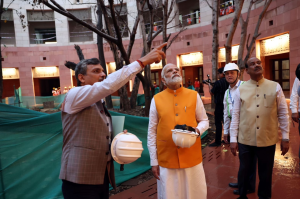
pixel 31 147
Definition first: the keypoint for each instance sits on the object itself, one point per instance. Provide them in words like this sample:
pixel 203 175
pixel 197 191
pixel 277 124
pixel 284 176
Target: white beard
pixel 173 81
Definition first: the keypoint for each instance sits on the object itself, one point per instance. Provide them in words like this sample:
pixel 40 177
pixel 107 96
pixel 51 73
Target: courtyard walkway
pixel 221 168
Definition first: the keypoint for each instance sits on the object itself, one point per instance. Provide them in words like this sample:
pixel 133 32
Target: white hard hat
pixel 126 148
pixel 184 138
pixel 231 66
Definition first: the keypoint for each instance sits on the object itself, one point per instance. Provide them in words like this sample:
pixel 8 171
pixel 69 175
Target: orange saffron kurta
pixel 176 108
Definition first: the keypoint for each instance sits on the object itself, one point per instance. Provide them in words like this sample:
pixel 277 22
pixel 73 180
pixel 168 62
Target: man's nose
pixel 102 74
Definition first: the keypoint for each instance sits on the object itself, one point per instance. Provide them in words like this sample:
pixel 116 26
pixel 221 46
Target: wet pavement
pixel 221 168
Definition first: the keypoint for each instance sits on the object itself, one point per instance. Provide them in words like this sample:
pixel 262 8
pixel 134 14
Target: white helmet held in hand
pixel 184 138
pixel 126 148
pixel 231 66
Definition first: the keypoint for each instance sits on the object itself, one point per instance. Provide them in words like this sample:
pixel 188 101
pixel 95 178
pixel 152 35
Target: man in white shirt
pixel 294 103
pixel 259 106
pixel 179 171
pixel 87 165
pixel 232 74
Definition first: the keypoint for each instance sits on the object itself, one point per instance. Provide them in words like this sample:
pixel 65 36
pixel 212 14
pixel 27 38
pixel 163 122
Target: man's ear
pixel 163 80
pixel 81 78
pixel 246 70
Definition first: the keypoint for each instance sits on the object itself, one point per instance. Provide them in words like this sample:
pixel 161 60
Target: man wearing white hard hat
pixel 179 171
pixel 86 163
pixel 232 73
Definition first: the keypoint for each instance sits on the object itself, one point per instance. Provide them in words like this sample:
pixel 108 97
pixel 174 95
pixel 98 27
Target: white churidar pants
pixel 186 183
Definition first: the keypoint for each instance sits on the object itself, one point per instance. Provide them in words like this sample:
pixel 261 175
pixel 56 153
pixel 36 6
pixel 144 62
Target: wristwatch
pixel 286 140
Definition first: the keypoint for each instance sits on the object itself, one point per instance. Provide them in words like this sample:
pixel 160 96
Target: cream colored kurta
pixel 188 183
pixel 258 109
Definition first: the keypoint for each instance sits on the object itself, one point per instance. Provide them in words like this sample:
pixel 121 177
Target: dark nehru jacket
pixel 219 89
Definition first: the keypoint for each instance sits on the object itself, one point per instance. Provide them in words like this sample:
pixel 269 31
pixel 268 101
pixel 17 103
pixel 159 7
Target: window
pixel 41 27
pixel 121 17
pixel 281 73
pixel 8 30
pixel 226 7
pixel 155 77
pixel 77 32
pixel 189 12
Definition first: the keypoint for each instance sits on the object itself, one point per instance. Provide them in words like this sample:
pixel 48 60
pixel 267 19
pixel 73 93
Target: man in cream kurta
pixel 179 171
pixel 259 106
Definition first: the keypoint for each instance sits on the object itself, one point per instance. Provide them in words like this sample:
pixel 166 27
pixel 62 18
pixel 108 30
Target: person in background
pixel 197 85
pixel 294 103
pixel 259 105
pixel 232 74
pixel 179 171
pixel 218 90
pixel 53 92
pixel 65 90
pixel 189 83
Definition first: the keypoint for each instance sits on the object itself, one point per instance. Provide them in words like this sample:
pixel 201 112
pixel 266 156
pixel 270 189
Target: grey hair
pixel 81 67
pixel 163 70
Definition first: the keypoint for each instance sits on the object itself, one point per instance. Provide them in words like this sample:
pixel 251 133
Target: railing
pixel 227 8
pixel 190 19
pixel 156 26
pixel 8 38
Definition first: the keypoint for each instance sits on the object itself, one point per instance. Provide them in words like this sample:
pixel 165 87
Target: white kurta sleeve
pixel 226 125
pixel 152 134
pixel 282 112
pixel 294 96
pixel 234 127
pixel 81 97
pixel 201 116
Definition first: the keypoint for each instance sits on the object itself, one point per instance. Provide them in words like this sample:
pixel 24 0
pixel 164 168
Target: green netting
pixel 140 100
pixel 32 101
pixel 31 147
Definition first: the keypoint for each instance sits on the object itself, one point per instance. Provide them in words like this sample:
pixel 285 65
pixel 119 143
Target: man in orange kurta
pixel 179 171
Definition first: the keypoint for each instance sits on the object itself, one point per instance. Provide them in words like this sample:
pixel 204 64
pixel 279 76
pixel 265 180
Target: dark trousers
pixel 84 191
pixel 218 122
pixel 265 159
pixel 252 177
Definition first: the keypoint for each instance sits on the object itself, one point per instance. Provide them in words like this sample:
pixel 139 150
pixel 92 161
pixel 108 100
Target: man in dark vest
pixel 218 90
pixel 87 165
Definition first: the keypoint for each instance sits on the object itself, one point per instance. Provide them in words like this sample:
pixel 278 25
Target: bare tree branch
pixel 209 5
pixel 175 37
pixel 134 29
pixel 56 7
pixel 256 34
pixel 228 44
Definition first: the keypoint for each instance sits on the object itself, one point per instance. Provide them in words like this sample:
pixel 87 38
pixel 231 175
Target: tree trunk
pixel 165 23
pixel 244 29
pixel 228 45
pixel 134 92
pixel 215 41
pixel 108 100
pixel 228 54
pixel 147 69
